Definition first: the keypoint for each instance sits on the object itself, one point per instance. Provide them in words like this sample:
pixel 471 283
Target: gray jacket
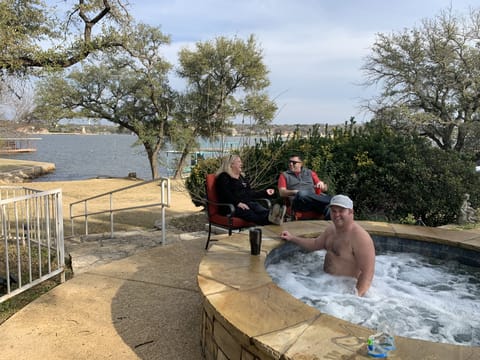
pixel 303 181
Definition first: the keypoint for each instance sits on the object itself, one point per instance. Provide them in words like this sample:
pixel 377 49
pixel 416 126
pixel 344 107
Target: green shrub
pixel 195 182
pixel 390 176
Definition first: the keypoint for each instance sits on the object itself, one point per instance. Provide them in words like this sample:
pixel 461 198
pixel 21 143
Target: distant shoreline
pixel 75 133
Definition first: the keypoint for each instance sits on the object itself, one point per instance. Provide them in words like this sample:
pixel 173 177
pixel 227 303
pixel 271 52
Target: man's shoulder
pixel 284 175
pixel 360 232
pixel 330 229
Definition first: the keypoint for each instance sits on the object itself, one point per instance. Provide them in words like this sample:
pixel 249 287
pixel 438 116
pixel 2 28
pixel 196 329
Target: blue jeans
pixel 309 201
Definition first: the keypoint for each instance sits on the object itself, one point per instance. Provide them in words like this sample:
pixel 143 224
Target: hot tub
pixel 246 316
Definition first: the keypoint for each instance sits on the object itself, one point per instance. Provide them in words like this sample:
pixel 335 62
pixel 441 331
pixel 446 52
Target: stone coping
pixel 247 316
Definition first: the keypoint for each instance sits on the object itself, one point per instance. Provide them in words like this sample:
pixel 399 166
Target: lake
pixel 78 157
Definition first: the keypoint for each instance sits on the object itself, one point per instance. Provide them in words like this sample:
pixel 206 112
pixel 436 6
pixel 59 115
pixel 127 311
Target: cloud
pixel 314 49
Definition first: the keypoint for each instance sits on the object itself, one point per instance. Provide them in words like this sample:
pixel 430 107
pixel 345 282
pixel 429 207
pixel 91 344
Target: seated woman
pixel 233 188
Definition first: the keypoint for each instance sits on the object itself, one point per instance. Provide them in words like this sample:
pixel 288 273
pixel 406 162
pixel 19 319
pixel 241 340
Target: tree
pixel 128 87
pixel 225 79
pixel 33 37
pixel 16 99
pixel 430 80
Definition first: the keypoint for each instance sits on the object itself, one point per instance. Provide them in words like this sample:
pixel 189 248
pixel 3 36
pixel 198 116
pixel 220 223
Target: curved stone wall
pixel 246 316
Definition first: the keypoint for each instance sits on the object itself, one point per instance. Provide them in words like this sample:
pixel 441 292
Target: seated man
pixel 303 187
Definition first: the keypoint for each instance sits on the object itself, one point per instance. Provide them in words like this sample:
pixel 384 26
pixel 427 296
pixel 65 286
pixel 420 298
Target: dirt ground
pixel 182 213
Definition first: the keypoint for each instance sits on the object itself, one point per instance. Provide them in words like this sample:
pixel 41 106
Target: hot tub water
pixel 415 296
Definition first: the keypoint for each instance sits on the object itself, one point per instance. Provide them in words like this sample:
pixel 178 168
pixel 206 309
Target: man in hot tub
pixel 350 249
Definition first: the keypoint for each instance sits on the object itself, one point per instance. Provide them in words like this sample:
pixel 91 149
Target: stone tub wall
pixel 246 316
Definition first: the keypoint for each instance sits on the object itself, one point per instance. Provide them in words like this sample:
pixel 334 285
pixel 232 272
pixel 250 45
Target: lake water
pixel 78 157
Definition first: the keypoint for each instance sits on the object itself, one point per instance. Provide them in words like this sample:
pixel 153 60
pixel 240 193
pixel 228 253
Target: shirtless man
pixel 350 249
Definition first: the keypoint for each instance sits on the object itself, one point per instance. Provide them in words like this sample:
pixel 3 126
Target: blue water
pixel 78 157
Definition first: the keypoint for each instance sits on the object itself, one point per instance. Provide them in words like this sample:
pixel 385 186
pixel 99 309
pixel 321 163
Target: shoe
pixel 283 211
pixel 272 217
pixel 277 214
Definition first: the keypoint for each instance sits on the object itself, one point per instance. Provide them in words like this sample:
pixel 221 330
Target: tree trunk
pixel 461 135
pixel 153 160
pixel 181 163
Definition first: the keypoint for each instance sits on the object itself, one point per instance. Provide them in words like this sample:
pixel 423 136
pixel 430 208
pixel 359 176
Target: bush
pixel 195 182
pixel 390 176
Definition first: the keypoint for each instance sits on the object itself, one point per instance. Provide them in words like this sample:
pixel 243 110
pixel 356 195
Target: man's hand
pixel 285 235
pixel 321 185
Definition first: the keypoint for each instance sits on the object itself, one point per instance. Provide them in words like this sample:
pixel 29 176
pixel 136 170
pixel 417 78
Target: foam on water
pixel 413 296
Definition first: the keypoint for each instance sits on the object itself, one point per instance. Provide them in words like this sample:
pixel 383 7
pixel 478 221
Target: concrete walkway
pixel 143 306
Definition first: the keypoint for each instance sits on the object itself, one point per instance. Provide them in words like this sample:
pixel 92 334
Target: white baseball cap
pixel 342 201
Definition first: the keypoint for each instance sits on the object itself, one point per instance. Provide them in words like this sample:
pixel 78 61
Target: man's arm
pixel 319 184
pixel 364 252
pixel 310 244
pixel 282 187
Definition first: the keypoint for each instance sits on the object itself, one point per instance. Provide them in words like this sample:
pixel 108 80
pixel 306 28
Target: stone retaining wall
pixel 19 171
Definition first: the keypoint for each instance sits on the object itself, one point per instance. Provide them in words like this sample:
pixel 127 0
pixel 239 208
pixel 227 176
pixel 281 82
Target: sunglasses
pixel 294 162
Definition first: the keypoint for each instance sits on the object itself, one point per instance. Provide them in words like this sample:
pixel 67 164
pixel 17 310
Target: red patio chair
pixel 216 217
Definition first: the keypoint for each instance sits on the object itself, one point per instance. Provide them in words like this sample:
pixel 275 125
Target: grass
pixel 11 306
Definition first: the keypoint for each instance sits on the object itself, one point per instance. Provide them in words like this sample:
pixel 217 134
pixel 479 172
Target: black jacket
pixel 234 191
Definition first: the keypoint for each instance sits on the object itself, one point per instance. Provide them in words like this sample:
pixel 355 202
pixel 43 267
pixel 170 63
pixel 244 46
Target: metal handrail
pixel 31 227
pixel 164 202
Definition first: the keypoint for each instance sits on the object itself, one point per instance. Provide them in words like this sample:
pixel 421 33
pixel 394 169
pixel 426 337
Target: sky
pixel 314 49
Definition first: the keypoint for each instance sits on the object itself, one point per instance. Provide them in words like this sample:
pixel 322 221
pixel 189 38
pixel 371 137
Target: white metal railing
pixel 32 238
pixel 164 202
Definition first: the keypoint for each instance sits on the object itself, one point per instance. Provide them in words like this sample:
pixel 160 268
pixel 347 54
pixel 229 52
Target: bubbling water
pixel 414 296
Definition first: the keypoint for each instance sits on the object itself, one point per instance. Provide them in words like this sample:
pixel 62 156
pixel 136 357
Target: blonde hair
pixel 226 165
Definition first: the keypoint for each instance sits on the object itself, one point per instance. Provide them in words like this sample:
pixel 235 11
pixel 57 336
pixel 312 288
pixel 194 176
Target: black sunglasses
pixel 294 162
